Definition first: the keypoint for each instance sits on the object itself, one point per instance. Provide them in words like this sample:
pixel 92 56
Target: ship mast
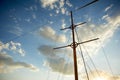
pixel 74 48
pixel 74 44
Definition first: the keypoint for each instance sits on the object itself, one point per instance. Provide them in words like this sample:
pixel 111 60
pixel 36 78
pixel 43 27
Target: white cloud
pixel 7 64
pixel 89 19
pixel 34 16
pixel 63 10
pixel 57 11
pixel 16 47
pixel 50 22
pixel 108 7
pixel 12 46
pixel 57 5
pixel 105 16
pixel 31 8
pixel 68 3
pixel 49 33
pixel 60 65
pixel 48 3
pixel 63 23
pixel 3 46
pixel 28 20
pixel 61 3
pixel 16 30
pixel 51 14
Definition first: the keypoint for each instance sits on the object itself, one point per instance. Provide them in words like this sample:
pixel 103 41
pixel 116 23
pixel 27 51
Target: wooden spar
pixel 74 49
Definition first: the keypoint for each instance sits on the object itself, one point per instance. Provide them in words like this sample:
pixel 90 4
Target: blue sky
pixel 29 30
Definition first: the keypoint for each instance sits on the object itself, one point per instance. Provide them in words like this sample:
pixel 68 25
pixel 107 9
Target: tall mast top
pixel 74 44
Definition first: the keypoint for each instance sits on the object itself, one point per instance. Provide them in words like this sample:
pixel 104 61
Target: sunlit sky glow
pixel 30 29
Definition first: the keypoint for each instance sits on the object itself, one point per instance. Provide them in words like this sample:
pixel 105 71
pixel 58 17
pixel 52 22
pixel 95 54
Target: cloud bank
pixel 7 64
pixel 56 60
pixel 49 33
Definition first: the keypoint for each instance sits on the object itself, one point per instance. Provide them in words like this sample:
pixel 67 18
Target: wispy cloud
pixel 49 33
pixel 28 20
pixel 16 30
pixel 50 22
pixel 7 64
pixel 51 14
pixel 108 7
pixel 105 16
pixel 34 16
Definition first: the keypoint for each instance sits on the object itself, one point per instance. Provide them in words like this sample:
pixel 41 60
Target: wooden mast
pixel 74 44
pixel 74 48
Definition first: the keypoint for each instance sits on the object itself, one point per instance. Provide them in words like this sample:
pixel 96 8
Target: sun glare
pixel 99 78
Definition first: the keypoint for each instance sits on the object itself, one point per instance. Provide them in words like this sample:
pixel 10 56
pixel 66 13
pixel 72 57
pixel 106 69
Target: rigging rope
pixel 48 74
pixel 79 39
pixel 80 48
pixel 63 68
pixel 107 60
pixel 84 62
